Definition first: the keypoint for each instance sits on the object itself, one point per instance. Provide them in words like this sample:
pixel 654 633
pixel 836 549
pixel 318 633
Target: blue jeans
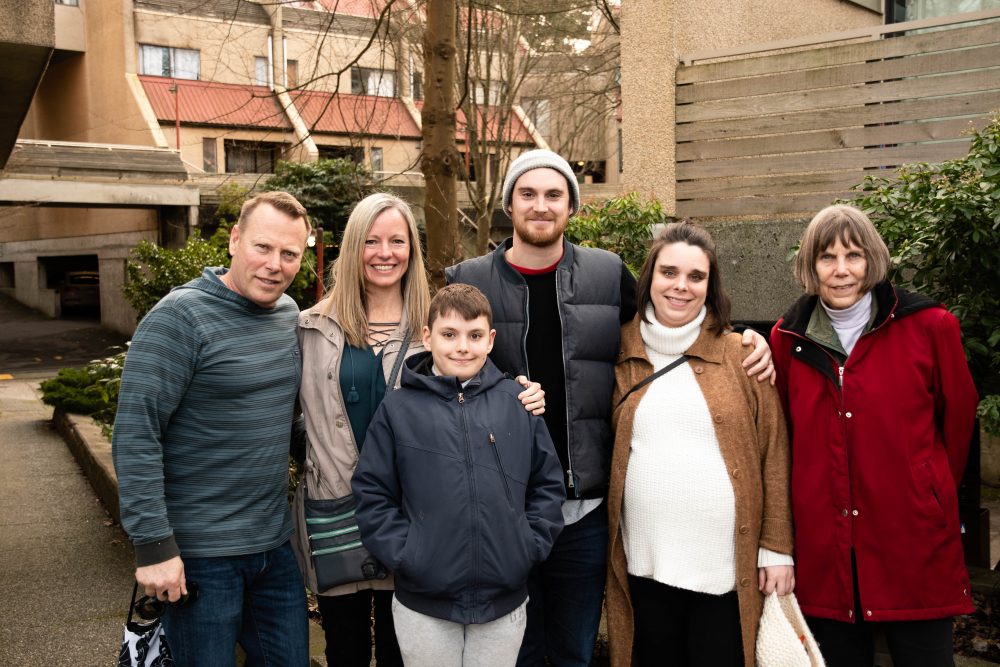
pixel 565 596
pixel 257 600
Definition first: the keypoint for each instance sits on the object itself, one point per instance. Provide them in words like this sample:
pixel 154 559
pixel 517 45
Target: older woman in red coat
pixel 880 407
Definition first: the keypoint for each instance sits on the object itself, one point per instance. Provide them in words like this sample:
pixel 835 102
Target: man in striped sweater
pixel 201 447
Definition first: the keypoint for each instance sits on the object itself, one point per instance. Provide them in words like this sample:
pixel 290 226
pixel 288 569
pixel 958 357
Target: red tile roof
pixel 208 103
pixel 355 114
pixel 516 131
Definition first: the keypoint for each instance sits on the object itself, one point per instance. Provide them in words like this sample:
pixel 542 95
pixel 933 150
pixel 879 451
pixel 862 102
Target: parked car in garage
pixel 80 290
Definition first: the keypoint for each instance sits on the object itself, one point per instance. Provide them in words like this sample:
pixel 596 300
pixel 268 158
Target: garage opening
pixel 77 281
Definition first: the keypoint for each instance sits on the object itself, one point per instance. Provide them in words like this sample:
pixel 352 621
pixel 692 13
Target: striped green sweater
pixel 204 418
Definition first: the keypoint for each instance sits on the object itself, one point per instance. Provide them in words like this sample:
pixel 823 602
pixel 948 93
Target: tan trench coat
pixel 750 428
pixel 331 453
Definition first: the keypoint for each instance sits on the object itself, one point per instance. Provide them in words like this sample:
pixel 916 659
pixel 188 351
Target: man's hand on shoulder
pixel 164 581
pixel 533 396
pixel 759 361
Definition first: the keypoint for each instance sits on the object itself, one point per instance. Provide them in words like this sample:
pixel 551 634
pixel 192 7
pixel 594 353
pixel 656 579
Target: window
pixel 538 112
pixel 168 61
pixel 208 151
pixel 417 85
pixel 913 10
pixel 370 81
pixel 292 74
pixel 621 153
pixel 355 154
pixel 69 3
pixel 251 157
pixel 260 71
pixel 377 166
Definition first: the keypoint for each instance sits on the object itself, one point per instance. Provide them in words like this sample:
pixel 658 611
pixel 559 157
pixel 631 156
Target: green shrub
pixel 154 271
pixel 942 225
pixel 623 225
pixel 91 390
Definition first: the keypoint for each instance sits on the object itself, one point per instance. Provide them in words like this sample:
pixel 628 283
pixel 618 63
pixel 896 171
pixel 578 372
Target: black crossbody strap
pixel 663 371
pixel 399 361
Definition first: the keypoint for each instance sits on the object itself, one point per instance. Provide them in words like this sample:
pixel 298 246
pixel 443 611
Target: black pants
pixel 347 623
pixel 678 627
pixel 911 643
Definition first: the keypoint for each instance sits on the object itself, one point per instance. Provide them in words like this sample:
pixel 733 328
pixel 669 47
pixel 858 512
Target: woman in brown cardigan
pixel 698 507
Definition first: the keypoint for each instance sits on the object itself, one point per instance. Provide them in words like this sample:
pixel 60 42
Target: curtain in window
pixel 926 9
pixel 154 60
pixel 186 63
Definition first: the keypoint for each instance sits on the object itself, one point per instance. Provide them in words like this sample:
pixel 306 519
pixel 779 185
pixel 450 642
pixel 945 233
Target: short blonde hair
pixel 849 225
pixel 280 201
pixel 347 277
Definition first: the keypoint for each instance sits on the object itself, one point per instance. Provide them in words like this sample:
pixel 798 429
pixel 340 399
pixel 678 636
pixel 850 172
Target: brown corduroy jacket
pixel 750 429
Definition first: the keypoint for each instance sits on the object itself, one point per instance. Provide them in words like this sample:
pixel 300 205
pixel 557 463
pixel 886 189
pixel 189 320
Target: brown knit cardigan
pixel 750 428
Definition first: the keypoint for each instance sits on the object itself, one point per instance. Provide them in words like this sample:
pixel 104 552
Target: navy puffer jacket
pixel 459 493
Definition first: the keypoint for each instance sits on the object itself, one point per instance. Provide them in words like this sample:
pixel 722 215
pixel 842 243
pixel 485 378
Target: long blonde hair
pixel 347 277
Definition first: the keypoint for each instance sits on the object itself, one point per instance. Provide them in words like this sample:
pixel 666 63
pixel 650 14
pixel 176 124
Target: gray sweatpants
pixel 425 641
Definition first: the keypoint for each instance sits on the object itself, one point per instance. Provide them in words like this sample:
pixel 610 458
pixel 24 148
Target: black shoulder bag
pixel 663 371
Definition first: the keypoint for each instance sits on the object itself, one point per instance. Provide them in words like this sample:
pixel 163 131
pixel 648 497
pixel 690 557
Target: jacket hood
pixel 417 374
pixel 890 302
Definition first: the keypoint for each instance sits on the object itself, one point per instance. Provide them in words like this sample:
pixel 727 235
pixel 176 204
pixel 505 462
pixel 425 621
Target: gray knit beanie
pixel 534 160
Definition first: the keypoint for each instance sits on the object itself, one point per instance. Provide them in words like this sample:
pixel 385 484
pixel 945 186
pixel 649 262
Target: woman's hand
pixel 779 578
pixel 759 361
pixel 532 398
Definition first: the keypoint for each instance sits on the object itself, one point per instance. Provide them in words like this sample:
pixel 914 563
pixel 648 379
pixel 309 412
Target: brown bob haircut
pixel 464 300
pixel 850 226
pixel 686 231
pixel 281 201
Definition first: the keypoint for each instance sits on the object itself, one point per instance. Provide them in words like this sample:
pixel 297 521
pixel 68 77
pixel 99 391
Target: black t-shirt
pixel 544 345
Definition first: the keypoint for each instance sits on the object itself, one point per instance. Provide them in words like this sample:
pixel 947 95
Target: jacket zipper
pixel 570 482
pixel 503 475
pixel 470 469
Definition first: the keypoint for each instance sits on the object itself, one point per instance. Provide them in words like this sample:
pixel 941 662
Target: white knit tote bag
pixel 783 638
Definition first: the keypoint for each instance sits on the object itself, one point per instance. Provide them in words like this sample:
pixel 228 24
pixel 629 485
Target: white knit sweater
pixel 679 510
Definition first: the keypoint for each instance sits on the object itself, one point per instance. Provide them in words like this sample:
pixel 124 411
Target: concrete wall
pixel 655 33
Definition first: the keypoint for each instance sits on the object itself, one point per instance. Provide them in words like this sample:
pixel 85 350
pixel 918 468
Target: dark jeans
pixel 565 595
pixel 911 643
pixel 678 627
pixel 257 600
pixel 347 623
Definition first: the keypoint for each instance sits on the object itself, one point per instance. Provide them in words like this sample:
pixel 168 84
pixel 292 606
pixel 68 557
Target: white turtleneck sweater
pixel 679 510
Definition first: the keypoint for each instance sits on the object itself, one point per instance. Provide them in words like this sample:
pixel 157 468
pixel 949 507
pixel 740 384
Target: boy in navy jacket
pixel 459 493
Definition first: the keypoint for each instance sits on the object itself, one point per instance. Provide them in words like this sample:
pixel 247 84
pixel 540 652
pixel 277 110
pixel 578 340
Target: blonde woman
pixel 350 342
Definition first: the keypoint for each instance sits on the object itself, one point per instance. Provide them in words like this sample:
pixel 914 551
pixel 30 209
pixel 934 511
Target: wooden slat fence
pixel 788 133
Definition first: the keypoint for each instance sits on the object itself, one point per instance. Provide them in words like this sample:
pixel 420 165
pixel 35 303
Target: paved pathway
pixel 65 568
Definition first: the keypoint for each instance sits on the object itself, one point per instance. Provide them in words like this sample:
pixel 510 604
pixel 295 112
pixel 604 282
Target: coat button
pixel 699 370
pixel 744 530
pixel 340 423
pixel 798 348
pixel 329 375
pixel 718 419
pixel 850 613
pixel 855 512
pixel 736 472
pixel 848 415
pixel 744 582
pixel 844 512
pixel 868 613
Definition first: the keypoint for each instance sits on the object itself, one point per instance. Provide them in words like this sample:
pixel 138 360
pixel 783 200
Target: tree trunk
pixel 440 157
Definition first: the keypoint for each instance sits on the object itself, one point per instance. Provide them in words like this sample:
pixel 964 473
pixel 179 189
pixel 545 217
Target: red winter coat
pixel 877 454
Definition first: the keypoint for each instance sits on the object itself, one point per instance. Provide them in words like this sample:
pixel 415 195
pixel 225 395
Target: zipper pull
pixel 493 441
pixel 461 397
pixel 841 371
pixel 569 478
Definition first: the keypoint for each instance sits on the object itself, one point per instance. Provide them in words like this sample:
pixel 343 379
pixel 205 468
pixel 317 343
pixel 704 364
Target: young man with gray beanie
pixel 557 309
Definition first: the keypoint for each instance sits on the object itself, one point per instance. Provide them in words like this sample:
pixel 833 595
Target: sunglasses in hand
pixel 150 608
